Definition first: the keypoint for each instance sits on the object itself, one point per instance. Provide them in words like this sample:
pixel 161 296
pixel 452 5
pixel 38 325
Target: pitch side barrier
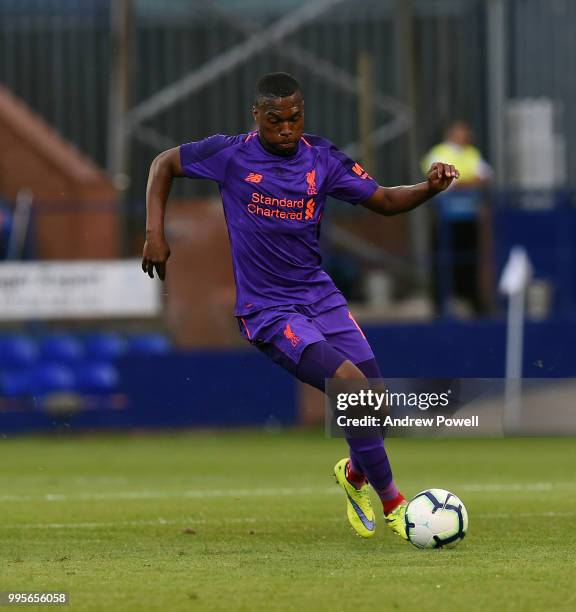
pixel 242 388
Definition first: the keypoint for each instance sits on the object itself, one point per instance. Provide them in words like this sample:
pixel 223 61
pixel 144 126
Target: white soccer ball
pixel 436 519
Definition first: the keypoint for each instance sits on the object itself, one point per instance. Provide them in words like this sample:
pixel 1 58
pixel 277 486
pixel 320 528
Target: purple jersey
pixel 273 206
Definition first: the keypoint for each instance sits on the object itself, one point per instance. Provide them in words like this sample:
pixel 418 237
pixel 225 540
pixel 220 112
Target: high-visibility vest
pixel 467 159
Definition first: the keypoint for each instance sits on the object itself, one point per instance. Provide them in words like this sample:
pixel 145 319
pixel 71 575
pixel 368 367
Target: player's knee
pixel 348 371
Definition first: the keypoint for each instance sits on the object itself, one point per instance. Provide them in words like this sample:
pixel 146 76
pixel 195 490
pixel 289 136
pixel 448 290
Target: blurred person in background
pixel 460 230
pixel 274 183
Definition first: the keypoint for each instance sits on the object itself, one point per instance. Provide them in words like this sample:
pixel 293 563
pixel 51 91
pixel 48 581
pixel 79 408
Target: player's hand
pixel 440 176
pixel 155 254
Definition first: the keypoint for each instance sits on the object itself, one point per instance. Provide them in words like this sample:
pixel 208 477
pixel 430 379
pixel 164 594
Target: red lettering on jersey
pixel 357 169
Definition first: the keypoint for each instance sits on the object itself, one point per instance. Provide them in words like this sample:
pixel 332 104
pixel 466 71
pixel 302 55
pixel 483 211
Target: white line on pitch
pixel 272 492
pixel 532 486
pixel 197 494
pixel 195 522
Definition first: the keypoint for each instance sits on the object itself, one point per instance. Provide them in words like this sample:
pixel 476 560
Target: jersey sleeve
pixel 347 180
pixel 207 158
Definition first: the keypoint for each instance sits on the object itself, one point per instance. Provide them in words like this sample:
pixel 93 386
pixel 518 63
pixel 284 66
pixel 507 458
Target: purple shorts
pixel 290 329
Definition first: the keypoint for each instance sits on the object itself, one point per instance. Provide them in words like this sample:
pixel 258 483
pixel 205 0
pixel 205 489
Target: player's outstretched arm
pixel 163 169
pixel 395 200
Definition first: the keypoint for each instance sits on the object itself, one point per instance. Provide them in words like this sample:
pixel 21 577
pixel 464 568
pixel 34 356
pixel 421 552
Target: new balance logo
pixel 357 169
pixel 310 206
pixel 253 177
pixel 311 180
pixel 291 336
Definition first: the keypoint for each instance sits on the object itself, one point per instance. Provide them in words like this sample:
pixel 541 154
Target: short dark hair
pixel 275 85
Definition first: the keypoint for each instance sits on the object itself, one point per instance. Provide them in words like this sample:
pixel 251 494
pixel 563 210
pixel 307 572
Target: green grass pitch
pixel 253 521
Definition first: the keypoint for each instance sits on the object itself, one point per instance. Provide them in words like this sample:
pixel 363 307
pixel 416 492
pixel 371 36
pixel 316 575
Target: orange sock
pixel 357 479
pixel 393 503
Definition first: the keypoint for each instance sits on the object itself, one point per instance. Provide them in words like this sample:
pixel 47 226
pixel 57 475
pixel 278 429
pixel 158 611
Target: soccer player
pixel 274 183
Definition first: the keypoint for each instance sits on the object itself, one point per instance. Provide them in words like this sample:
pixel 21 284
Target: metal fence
pixel 57 55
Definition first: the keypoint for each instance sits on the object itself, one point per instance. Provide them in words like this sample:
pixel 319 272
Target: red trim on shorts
pixel 358 326
pixel 246 328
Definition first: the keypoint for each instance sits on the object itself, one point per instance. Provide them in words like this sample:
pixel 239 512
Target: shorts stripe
pixel 355 323
pixel 246 328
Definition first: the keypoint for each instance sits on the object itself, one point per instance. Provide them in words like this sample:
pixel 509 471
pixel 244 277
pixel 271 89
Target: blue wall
pixel 239 387
pixel 243 388
pixel 200 389
pixel 472 349
pixel 549 239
